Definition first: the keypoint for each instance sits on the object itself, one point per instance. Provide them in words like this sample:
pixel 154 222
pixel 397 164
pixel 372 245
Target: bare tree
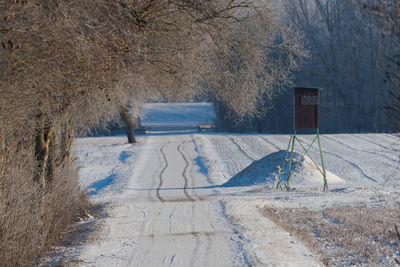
pixel 345 58
pixel 386 15
pixel 68 66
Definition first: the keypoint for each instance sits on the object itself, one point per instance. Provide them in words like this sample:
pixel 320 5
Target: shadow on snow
pixel 261 172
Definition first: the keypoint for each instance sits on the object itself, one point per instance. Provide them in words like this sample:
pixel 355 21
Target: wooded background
pixel 354 55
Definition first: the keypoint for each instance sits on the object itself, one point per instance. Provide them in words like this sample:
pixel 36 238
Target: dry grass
pixel 67 251
pixel 344 236
pixel 25 232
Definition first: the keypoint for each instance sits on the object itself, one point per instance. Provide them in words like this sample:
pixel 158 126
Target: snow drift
pixel 266 172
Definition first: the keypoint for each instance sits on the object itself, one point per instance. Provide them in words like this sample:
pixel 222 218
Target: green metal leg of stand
pixel 278 185
pixel 322 162
pixel 287 185
pixel 284 164
pixel 306 152
pixel 291 146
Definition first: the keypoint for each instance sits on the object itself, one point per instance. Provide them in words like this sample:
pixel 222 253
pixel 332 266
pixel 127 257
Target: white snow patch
pixel 313 175
pixel 270 245
pixel 105 165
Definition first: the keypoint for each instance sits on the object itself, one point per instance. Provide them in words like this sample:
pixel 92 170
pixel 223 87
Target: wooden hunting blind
pixel 306 103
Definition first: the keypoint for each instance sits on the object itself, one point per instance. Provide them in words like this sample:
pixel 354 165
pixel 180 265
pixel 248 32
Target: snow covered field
pixel 188 198
pixel 156 116
pixel 193 199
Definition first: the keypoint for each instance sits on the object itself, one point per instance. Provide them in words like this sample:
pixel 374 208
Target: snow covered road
pixel 171 214
pixel 169 203
pixel 153 227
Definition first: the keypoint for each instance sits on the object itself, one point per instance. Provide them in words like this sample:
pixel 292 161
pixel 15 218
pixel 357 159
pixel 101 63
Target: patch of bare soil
pixel 344 235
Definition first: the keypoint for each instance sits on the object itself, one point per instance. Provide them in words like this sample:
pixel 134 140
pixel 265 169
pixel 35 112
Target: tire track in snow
pixel 258 146
pixel 269 142
pixel 189 198
pixel 241 149
pixel 197 237
pixel 231 164
pixel 362 150
pixel 347 161
pixel 396 162
pixel 207 235
pixel 186 180
pixel 179 149
pixel 160 176
pixel 192 180
pixel 153 182
pixel 220 146
pixel 393 137
pixel 145 223
pixel 151 241
pixel 170 219
pixel 340 142
pixel 357 136
pixel 209 243
pixel 193 185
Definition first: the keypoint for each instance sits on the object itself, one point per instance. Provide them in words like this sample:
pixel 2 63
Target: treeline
pixel 67 66
pixel 355 59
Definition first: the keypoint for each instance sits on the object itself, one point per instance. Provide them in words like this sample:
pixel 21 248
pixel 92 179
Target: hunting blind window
pixel 309 100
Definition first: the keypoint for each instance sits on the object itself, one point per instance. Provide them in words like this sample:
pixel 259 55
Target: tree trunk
pixel 45 172
pixel 130 129
pixel 2 159
pixel 67 137
pixel 45 138
pixel 42 145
